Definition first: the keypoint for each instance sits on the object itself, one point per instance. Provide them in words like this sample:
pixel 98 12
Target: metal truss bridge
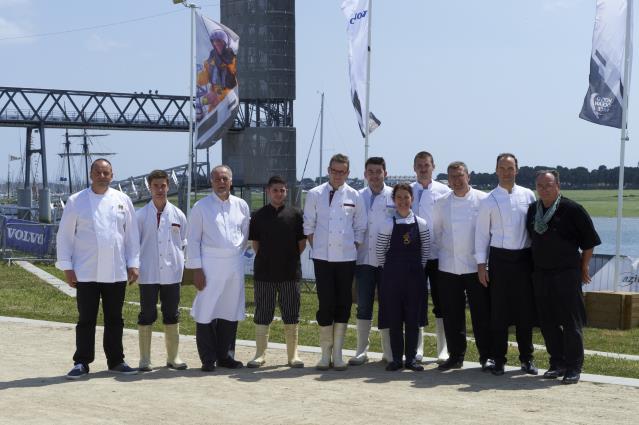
pixel 39 108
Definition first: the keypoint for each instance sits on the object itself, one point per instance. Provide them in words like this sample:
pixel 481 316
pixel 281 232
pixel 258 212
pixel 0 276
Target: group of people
pixel 515 260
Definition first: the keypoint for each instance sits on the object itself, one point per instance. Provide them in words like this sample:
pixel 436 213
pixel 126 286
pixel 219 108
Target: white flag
pixel 357 18
pixel 217 98
pixel 603 103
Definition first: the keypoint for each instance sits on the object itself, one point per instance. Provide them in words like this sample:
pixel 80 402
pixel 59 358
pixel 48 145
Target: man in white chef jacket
pixel 162 240
pixel 217 238
pixel 334 223
pixel 98 248
pixel 454 221
pixel 426 192
pixel 378 207
pixel 504 264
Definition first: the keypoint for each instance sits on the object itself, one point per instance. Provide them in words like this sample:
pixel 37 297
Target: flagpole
pixel 321 145
pixel 365 118
pixel 624 138
pixel 189 168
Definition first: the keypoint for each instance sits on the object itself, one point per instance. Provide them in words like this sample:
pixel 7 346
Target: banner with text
pixel 26 236
pixel 603 103
pixel 356 12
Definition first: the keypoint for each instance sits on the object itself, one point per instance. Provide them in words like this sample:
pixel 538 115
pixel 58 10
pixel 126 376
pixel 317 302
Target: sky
pixel 464 80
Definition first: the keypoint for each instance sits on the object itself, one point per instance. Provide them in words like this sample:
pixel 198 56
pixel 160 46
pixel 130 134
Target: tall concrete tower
pixel 262 141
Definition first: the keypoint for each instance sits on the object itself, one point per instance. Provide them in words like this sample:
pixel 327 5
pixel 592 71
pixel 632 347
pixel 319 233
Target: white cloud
pixel 13 31
pixel 560 5
pixel 97 43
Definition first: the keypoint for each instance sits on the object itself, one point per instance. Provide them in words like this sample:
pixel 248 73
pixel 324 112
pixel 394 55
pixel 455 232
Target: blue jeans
pixel 367 279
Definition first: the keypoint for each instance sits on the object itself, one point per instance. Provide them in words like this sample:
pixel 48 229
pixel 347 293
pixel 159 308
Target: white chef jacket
pixel 335 227
pixel 98 236
pixel 501 222
pixel 217 227
pixel 377 213
pixel 424 199
pixel 217 237
pixel 161 246
pixel 454 221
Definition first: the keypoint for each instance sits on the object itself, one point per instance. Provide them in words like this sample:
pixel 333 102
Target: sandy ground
pixel 35 357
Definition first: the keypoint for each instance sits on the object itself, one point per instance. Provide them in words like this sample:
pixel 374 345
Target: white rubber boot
pixel 386 345
pixel 442 347
pixel 172 342
pixel 339 332
pixel 261 342
pixel 290 333
pixel 326 344
pixel 363 332
pixel 145 333
pixel 420 346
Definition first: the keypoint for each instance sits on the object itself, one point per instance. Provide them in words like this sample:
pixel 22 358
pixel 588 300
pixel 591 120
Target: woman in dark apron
pixel 403 246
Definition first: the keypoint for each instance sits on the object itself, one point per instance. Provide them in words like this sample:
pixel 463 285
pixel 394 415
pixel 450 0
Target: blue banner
pixel 26 236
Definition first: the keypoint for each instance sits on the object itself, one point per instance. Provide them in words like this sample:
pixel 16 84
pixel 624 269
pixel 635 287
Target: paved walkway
pixel 36 354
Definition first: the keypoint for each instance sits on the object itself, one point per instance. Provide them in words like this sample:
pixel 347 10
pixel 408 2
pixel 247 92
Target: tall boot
pixel 172 340
pixel 442 347
pixel 145 333
pixel 261 342
pixel 386 345
pixel 290 333
pixel 363 332
pixel 326 344
pixel 420 345
pixel 339 332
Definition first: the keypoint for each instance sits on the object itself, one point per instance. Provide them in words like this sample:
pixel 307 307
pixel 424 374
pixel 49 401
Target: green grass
pixel 603 203
pixel 24 295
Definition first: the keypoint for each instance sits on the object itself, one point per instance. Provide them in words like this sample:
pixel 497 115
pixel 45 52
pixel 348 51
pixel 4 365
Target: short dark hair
pixel 341 158
pixel 458 164
pixel 375 160
pixel 101 159
pixel 157 174
pixel 276 180
pixel 423 155
pixel 551 171
pixel 507 155
pixel 402 186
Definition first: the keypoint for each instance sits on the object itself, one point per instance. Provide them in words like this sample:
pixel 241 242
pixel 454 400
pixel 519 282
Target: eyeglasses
pixel 337 172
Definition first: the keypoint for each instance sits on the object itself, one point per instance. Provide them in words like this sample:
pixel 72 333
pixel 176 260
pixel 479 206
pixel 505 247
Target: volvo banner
pixel 356 12
pixel 603 103
pixel 26 236
pixel 217 99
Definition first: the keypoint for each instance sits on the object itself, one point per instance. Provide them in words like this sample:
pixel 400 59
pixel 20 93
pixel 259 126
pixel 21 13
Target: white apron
pixel 223 295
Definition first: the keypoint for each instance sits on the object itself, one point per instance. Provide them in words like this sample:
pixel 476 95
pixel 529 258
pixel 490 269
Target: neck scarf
pixel 541 219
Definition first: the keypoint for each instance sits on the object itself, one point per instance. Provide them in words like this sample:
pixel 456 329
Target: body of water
pixel 607 228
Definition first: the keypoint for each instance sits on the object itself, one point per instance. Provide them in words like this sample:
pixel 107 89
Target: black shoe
pixel 451 364
pixel 529 367
pixel 488 365
pixel 393 366
pixel 571 377
pixel 230 363
pixel 208 367
pixel 498 369
pixel 414 366
pixel 554 373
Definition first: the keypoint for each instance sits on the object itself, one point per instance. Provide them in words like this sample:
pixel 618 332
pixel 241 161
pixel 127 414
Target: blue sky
pixel 464 80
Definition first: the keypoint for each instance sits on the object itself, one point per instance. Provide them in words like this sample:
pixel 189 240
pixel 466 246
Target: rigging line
pixel 128 21
pixel 311 147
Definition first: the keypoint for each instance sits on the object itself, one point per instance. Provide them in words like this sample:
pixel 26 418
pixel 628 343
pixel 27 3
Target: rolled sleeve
pixel 65 237
pixel 310 213
pixel 194 237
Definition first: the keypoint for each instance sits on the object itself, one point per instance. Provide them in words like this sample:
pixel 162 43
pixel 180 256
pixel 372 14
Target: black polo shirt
pixel 569 231
pixel 278 232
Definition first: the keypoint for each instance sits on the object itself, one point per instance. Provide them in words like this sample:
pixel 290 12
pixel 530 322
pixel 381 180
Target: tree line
pixel 570 178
